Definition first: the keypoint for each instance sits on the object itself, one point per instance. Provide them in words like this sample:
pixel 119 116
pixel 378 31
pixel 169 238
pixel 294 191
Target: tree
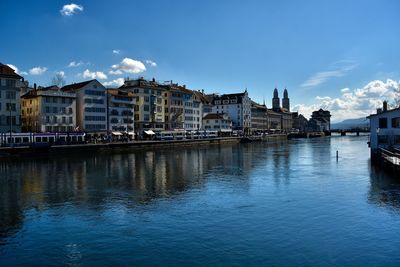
pixel 58 79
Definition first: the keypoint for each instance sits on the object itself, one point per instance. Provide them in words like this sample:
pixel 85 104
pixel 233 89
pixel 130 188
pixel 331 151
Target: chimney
pixel 378 111
pixel 384 106
pixel 34 86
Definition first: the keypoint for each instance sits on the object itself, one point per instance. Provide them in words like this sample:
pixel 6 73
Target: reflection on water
pixel 385 188
pixel 259 203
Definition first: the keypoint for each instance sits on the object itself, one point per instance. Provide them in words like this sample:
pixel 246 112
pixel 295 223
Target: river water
pixel 284 204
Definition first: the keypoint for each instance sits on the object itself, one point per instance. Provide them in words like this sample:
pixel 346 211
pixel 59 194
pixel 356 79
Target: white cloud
pixel 94 75
pixel 116 51
pixel 71 9
pixel 115 72
pixel 337 69
pixel 115 83
pixel 151 63
pixel 74 64
pixel 37 70
pixel 61 73
pixel 356 103
pixel 130 66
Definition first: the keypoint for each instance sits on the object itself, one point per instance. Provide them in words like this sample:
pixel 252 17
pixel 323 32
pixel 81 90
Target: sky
pixel 338 55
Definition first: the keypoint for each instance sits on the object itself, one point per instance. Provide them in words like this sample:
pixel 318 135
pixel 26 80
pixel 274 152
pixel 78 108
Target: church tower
pixel 275 101
pixel 285 100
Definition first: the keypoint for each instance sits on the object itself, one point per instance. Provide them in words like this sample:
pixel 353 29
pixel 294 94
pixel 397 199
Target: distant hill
pixel 351 123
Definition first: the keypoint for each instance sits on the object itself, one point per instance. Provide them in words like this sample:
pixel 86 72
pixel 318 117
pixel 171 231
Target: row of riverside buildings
pixel 140 105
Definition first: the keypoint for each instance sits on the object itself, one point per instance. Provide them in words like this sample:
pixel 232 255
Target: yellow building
pixel 48 109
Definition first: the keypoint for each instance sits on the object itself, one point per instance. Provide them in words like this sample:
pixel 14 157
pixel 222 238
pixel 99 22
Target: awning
pixel 131 133
pixel 149 132
pixel 226 130
pixel 116 133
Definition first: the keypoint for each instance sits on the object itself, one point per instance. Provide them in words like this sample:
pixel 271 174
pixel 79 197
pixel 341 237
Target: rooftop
pixel 7 71
pixel 76 86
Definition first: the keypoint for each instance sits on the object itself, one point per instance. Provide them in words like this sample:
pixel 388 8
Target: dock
pixel 391 158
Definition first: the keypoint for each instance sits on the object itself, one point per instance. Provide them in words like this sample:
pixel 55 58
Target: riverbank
pixel 55 150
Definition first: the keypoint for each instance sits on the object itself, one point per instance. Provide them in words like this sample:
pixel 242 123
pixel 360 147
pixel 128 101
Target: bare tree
pixel 58 80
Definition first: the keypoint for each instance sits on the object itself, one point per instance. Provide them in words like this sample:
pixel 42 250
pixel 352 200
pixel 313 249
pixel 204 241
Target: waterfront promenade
pixel 54 150
pixel 287 203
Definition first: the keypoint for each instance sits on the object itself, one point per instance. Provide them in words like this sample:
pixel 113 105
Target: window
pixel 396 122
pixel 11 107
pixel 382 122
pixel 11 83
pixel 94 92
pixel 146 108
pixel 146 99
pixel 11 95
pixel 382 139
pixel 54 109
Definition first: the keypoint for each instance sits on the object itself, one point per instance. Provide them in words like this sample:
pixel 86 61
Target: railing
pixel 390 157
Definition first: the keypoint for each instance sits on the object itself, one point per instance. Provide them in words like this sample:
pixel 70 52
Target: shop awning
pixel 149 132
pixel 226 130
pixel 116 133
pixel 131 133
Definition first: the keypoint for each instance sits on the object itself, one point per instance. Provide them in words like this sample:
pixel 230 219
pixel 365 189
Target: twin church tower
pixel 276 104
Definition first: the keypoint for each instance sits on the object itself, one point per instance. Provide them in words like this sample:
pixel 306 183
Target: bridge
pixel 357 131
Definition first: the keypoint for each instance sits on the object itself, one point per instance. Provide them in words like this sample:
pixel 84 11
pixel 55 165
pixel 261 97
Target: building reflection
pixel 384 187
pixel 94 181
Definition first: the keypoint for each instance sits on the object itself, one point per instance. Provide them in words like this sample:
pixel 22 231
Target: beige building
pixel 151 101
pixel 217 122
pixel 48 109
pixel 259 117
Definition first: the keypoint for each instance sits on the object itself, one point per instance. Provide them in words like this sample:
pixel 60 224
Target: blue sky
pixel 328 54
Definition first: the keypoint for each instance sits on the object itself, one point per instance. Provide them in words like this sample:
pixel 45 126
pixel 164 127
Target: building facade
pixel 10 101
pixel 237 107
pixel 384 129
pixel 323 118
pixel 217 122
pixel 120 106
pixel 286 117
pixel 151 101
pixel 48 109
pixel 274 120
pixel 91 105
pixel 259 117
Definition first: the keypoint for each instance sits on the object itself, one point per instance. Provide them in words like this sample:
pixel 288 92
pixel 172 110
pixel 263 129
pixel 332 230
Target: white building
pixel 237 107
pixel 217 122
pixel 10 101
pixel 384 129
pixel 202 106
pixel 91 105
pixel 48 109
pixel 121 105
